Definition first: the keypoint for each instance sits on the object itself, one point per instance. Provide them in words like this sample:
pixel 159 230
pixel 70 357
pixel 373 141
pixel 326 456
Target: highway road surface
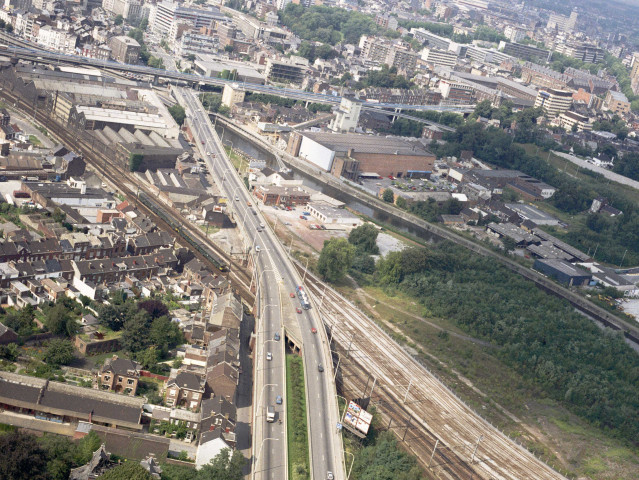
pixel 275 280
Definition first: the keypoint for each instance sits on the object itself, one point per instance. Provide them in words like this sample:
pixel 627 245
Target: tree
pixel 85 448
pixel 388 196
pixel 58 215
pixel 335 259
pixel 155 308
pixel 10 352
pixel 135 161
pixel 149 357
pixel 364 238
pixel 191 57
pixel 57 318
pixel 119 20
pixel 178 113
pixel 165 334
pixel 509 244
pixel 135 332
pixel 127 471
pixel 155 62
pixel 21 458
pixel 59 453
pixel 58 352
pixel 227 465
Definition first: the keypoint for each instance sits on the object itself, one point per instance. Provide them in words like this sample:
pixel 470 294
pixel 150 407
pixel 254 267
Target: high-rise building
pixel 167 13
pixel 554 101
pixel 347 116
pixel 562 23
pixel 232 94
pixel 439 57
pixel 129 9
pixel 285 71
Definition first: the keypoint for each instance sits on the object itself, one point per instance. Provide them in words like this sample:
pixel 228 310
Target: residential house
pixel 119 375
pixel 186 389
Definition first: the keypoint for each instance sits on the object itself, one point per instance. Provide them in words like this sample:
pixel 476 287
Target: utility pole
pixel 433 454
pixel 410 382
pixel 472 459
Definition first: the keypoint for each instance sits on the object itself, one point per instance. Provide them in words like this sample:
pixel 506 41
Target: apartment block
pixel 554 101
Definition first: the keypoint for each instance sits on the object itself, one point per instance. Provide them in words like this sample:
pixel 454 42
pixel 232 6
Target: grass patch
pixel 298 460
pixel 35 141
pixel 237 161
pixel 211 230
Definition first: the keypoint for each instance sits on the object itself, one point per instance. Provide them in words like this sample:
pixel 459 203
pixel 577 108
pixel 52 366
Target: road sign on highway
pixel 339 426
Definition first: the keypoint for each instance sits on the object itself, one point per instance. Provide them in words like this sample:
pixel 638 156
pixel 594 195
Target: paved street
pixel 615 177
pixel 274 276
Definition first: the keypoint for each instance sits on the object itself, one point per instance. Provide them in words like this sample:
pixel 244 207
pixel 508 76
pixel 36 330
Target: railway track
pixel 419 408
pixel 164 216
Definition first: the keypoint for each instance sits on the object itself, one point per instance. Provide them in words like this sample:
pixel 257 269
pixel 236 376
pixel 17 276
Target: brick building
pixel 119 375
pixel 185 390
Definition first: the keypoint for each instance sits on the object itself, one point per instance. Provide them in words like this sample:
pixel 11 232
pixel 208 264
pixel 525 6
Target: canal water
pixel 381 216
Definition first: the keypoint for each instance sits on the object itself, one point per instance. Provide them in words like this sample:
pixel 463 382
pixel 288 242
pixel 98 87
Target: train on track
pixel 196 243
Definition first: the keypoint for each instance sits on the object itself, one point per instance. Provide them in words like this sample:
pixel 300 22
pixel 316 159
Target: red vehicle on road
pixel 313 330
pixel 298 310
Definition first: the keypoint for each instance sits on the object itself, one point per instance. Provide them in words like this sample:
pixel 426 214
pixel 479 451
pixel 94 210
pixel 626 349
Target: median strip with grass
pixel 298 461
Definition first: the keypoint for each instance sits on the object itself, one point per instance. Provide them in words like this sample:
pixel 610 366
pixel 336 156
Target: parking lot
pixel 301 229
pixel 289 225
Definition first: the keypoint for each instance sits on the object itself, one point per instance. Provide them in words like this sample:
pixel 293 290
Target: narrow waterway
pixel 250 149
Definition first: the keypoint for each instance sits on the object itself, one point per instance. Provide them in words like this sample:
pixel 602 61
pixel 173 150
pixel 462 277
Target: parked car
pixel 320 367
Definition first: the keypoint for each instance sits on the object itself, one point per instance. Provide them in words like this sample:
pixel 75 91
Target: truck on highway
pixel 301 294
pixel 270 414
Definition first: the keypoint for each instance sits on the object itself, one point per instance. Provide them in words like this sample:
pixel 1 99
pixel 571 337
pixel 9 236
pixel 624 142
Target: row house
pixel 145 244
pixel 38 270
pixel 30 250
pixel 80 246
pixel 116 270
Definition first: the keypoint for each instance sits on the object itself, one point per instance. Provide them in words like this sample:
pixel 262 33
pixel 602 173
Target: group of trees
pixel 592 371
pixel 310 51
pixel 386 77
pixel 213 103
pixel 410 128
pixel 327 25
pixel 339 254
pixel 285 102
pixel 147 329
pixel 384 459
pixel 628 165
pixel 616 125
pixel 178 113
pixel 51 457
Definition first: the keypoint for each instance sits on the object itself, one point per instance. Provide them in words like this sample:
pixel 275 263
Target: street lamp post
pixel 260 452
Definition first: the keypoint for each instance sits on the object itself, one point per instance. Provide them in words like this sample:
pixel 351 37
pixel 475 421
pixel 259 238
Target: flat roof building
pixel 563 271
pixel 348 155
pixel 125 49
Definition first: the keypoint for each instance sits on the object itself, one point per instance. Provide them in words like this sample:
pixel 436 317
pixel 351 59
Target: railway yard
pixel 427 416
pixel 448 438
